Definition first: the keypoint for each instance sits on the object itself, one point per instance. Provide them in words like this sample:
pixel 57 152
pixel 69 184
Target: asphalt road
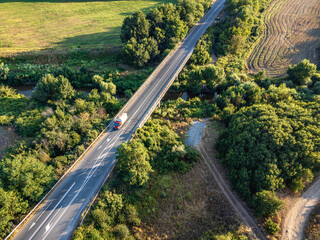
pixel 60 213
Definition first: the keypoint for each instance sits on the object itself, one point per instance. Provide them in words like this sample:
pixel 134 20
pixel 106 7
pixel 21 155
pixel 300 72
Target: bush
pixel 121 231
pixel 52 88
pixel 100 217
pixel 266 203
pixel 132 215
pixel 271 227
pixel 3 72
pixel 302 72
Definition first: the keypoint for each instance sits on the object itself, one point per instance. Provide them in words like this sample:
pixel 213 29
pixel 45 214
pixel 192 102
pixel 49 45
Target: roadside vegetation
pixel 148 37
pixel 271 138
pixel 312 231
pixel 55 126
pixel 154 195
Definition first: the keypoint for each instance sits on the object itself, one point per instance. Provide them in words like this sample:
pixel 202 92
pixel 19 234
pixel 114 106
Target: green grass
pixel 29 25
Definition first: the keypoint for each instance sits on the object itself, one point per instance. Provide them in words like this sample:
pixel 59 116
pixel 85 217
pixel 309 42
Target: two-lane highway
pixel 60 213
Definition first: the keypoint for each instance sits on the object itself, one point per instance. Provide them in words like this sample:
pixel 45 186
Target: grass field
pixel 29 25
pixel 292 31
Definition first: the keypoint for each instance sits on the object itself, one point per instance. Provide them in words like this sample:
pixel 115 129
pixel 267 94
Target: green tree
pixel 301 73
pixel 10 205
pixel 133 163
pixel 140 53
pixel 135 26
pixel 214 76
pixel 52 88
pixel 271 227
pixel 25 174
pixel 266 147
pixel 190 11
pixel 201 53
pixel 266 203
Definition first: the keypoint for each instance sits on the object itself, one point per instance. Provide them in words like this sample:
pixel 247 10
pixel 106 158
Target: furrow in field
pixel 291 34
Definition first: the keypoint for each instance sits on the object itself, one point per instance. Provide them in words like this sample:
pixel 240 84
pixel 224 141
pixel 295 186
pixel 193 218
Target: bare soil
pixel 291 34
pixel 7 137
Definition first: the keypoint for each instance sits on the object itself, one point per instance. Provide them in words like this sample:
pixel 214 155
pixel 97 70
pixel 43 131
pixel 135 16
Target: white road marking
pixel 31 226
pixel 43 211
pixel 34 223
pixel 51 212
pixel 47 227
pixel 93 169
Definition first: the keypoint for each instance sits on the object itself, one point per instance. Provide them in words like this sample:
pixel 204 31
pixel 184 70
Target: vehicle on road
pixel 120 120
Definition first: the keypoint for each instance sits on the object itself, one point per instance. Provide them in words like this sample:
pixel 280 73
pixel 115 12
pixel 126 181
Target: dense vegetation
pixel 271 140
pixel 126 83
pixel 272 137
pixel 56 125
pixel 154 151
pixel 147 37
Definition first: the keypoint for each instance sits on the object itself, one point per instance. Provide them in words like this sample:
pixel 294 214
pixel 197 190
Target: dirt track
pixel 233 200
pixel 298 214
pixel 291 34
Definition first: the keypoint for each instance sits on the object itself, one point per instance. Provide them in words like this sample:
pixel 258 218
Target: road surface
pixel 60 213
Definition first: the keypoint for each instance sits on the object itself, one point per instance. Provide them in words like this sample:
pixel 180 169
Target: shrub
pixel 121 231
pixel 271 227
pixel 3 72
pixel 52 88
pixel 266 203
pixel 301 73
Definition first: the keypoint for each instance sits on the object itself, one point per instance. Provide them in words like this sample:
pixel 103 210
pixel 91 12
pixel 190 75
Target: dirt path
pixel 297 216
pixel 236 204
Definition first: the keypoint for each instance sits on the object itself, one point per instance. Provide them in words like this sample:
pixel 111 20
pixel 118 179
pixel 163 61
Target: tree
pixel 133 163
pixel 136 26
pixel 52 88
pixel 140 53
pixel 175 30
pixel 25 174
pixel 266 147
pixel 301 73
pixel 214 76
pixel 201 54
pixel 10 205
pixel 266 203
pixel 237 43
pixel 271 227
pixel 190 11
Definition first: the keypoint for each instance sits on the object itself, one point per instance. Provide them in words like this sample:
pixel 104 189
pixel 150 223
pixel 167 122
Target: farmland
pixel 37 25
pixel 291 34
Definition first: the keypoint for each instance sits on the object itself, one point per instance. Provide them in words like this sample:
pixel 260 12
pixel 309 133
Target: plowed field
pixel 291 34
